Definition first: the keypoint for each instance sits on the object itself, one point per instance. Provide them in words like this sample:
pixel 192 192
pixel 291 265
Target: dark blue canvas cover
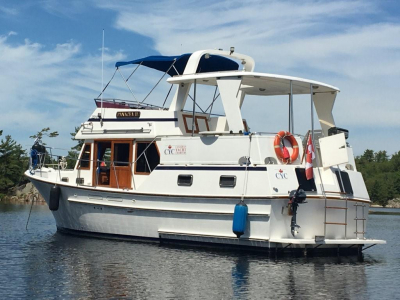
pixel 162 63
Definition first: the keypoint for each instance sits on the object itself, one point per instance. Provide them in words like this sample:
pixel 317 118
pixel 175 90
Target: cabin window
pixel 185 180
pixel 84 161
pixel 149 157
pixel 121 154
pixel 227 181
pixel 346 187
pixel 200 123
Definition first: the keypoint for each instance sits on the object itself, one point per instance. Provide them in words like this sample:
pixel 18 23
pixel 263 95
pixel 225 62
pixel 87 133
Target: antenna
pixel 102 77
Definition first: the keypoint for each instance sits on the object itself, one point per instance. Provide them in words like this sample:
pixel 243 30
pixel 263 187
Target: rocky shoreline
pixel 394 203
pixel 23 194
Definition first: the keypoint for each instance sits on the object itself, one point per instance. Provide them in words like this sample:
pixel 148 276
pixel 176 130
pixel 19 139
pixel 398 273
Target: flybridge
pixel 217 68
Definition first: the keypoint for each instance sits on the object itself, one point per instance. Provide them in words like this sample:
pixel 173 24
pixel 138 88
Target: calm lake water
pixel 42 264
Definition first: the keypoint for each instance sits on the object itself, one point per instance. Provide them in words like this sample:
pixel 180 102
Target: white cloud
pixel 348 44
pixel 8 11
pixel 217 24
pixel 64 8
pixel 47 87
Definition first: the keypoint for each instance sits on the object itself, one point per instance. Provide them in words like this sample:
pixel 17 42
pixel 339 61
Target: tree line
pixel 381 172
pixel 381 175
pixel 14 161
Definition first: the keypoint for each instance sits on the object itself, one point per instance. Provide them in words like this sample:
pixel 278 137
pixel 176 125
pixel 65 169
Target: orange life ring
pixel 278 150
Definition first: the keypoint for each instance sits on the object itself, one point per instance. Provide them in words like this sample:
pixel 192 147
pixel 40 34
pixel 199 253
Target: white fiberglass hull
pixel 126 215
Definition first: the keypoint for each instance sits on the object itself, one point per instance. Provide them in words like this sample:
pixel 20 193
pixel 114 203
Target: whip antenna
pixel 102 75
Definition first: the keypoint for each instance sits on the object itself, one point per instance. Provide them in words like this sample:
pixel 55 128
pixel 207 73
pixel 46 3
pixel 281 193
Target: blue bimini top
pixel 214 63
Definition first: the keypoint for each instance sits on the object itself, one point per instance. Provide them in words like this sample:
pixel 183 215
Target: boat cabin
pixel 125 141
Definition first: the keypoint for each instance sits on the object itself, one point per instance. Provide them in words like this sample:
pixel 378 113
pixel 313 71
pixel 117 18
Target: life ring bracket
pixel 281 152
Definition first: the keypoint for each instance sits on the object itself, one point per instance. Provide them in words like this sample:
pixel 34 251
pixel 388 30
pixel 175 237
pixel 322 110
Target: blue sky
pixel 50 57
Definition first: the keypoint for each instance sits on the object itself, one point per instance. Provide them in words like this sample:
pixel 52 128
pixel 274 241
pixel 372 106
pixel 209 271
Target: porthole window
pixel 227 181
pixel 185 180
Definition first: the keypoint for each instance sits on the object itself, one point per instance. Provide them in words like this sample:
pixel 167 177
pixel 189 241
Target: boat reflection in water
pixel 90 268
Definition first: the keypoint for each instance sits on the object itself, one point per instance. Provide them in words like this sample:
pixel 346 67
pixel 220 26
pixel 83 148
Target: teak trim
pixel 189 130
pixel 202 118
pixel 94 161
pixel 196 118
pixel 129 166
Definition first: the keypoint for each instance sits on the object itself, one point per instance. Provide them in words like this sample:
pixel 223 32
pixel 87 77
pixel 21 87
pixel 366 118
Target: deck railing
pixel 60 162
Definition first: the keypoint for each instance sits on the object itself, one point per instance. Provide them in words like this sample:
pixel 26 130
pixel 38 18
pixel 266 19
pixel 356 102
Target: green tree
pixel 44 131
pixel 79 144
pixel 74 152
pixel 395 160
pixel 368 155
pixel 12 163
pixel 396 184
pixel 378 193
pixel 381 174
pixel 381 156
pixel 39 135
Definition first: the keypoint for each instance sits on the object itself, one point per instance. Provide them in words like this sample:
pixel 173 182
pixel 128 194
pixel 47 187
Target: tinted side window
pixel 84 162
pixel 347 188
pixel 121 154
pixel 149 158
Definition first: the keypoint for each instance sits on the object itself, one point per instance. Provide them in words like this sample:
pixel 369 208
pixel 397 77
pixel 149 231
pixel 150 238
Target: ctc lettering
pixel 169 151
pixel 175 150
pixel 281 175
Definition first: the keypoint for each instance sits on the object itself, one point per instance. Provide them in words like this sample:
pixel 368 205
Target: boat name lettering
pixel 281 175
pixel 175 150
pixel 128 114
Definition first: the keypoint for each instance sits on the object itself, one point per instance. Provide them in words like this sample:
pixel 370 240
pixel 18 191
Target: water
pixel 43 264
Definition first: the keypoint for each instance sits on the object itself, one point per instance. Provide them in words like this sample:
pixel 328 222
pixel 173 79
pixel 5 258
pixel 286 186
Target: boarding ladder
pixel 362 219
pixel 344 208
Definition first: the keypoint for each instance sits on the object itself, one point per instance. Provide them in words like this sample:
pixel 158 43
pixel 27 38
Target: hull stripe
pixel 132 209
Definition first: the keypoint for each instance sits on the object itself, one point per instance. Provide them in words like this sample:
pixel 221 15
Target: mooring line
pixel 30 211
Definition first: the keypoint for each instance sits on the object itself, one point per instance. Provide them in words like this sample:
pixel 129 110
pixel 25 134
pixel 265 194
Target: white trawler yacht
pixel 166 174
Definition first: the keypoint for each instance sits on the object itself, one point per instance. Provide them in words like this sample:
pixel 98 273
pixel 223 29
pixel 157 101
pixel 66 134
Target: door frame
pixel 112 141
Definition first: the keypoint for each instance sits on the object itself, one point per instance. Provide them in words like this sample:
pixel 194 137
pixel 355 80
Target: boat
pixel 175 175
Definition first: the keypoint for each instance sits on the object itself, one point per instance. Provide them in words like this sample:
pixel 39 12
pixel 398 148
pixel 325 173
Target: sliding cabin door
pixel 112 165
